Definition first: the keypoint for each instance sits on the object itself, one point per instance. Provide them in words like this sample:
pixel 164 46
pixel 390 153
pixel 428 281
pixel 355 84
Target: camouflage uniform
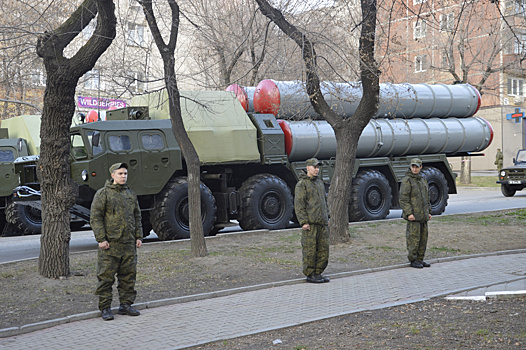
pixel 499 160
pixel 310 205
pixel 414 199
pixel 116 218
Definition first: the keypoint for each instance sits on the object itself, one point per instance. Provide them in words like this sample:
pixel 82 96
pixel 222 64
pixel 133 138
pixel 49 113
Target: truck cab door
pixel 155 158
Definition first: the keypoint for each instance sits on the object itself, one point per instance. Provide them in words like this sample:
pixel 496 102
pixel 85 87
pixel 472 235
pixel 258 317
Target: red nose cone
pixel 288 135
pixel 240 94
pixel 267 98
pixel 92 116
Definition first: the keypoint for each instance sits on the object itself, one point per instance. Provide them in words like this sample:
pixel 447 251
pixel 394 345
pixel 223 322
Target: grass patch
pixel 444 250
pixel 480 181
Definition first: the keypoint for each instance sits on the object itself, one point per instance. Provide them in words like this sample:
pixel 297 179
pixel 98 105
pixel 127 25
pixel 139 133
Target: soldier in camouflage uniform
pixel 116 223
pixel 310 205
pixel 416 209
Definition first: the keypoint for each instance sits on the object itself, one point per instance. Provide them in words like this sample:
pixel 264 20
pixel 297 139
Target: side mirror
pixel 95 140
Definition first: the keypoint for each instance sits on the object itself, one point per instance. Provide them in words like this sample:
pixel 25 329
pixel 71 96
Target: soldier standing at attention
pixel 498 160
pixel 310 205
pixel 116 223
pixel 416 209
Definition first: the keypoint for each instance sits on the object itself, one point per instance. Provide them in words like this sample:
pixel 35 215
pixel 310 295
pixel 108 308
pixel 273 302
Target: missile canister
pixel 390 137
pixel 289 100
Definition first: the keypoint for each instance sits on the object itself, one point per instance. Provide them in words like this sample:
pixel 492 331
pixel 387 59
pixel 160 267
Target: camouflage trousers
pixel 416 239
pixel 124 265
pixel 315 243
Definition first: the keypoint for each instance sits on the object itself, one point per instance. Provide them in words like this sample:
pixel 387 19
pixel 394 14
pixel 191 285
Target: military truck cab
pixel 513 179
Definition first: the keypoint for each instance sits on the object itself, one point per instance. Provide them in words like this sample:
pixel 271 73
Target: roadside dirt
pixel 166 270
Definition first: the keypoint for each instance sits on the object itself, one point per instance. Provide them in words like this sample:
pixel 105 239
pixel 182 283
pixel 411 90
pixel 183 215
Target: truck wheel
pixel 170 218
pixel 438 189
pixel 26 219
pixel 507 191
pixel 266 203
pixel 370 196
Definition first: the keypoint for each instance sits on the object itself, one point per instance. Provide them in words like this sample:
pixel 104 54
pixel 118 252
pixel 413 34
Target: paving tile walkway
pixel 196 322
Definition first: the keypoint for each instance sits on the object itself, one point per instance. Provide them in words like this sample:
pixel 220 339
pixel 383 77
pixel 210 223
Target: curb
pixel 12 331
pixel 491 296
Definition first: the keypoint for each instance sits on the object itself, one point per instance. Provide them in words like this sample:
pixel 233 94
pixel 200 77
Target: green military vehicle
pixel 20 137
pixel 250 162
pixel 10 149
pixel 513 179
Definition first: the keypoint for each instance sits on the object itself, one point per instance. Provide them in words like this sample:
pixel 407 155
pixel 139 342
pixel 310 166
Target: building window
pixel 136 82
pixel 92 81
pixel 420 63
pixel 515 87
pixel 445 60
pixel 38 78
pixel 447 23
pixel 519 46
pixel 419 29
pixel 520 6
pixel 416 2
pixel 136 34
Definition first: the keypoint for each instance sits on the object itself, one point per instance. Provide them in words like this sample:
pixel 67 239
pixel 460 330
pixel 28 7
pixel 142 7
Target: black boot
pixel 106 314
pixel 126 309
pixel 416 264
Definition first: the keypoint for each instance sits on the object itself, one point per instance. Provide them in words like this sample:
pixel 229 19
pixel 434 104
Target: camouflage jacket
pixel 115 214
pixel 414 197
pixel 310 202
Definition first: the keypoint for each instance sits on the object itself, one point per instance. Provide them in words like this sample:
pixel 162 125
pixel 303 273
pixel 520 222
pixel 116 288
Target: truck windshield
pixel 521 156
pixel 7 155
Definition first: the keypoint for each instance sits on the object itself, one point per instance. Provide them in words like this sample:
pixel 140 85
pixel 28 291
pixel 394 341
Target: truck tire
pixel 371 196
pixel 266 203
pixel 3 222
pixel 25 219
pixel 507 191
pixel 170 218
pixel 438 189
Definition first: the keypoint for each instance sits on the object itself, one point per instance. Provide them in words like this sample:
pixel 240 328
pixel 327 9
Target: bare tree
pixel 63 73
pixel 230 40
pixel 167 50
pixel 461 42
pixel 347 131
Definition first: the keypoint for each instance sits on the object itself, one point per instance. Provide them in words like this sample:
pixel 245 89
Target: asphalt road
pixel 467 200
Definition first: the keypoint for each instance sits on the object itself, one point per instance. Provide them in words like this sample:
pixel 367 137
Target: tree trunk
pixel 347 131
pixel 58 190
pixel 465 170
pixel 197 239
pixel 341 179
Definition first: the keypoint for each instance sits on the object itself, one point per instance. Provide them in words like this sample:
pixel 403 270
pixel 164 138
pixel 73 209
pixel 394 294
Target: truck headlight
pixel 84 175
pixel 502 173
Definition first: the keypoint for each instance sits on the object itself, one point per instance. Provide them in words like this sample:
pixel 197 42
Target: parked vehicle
pixel 251 162
pixel 20 139
pixel 10 149
pixel 513 179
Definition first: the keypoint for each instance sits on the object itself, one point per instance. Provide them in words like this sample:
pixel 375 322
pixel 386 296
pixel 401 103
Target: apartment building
pixel 480 42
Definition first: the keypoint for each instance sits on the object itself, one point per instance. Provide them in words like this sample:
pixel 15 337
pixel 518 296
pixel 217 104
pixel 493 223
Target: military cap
pixel 416 161
pixel 313 162
pixel 118 166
